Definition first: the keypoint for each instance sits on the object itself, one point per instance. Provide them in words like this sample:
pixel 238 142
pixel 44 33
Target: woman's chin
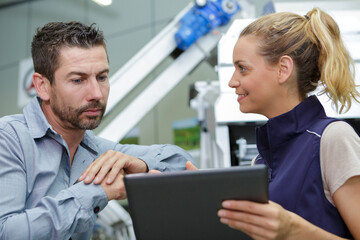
pixel 243 109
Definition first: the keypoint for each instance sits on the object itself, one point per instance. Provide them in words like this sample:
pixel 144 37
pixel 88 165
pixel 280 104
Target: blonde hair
pixel 314 43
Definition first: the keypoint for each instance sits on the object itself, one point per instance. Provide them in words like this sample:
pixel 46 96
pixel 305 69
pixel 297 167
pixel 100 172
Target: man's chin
pixel 89 124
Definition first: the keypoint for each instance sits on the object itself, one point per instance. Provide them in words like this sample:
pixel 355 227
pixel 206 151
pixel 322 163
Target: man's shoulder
pixel 11 121
pixel 14 125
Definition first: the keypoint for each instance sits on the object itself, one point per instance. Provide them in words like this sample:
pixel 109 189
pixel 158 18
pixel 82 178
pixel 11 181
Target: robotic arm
pixel 203 17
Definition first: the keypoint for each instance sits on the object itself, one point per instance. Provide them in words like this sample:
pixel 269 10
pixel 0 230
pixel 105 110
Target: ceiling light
pixel 103 2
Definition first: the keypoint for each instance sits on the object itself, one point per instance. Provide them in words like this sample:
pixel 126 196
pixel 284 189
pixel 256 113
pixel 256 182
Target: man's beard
pixel 73 116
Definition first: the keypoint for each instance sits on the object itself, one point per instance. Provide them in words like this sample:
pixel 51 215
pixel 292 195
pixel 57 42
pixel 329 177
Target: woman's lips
pixel 241 97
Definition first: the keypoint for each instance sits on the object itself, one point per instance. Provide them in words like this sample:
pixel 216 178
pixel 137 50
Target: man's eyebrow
pixel 104 71
pixel 76 73
pixel 85 74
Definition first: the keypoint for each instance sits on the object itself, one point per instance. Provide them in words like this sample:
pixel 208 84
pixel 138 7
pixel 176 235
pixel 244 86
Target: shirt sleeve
pixel 71 210
pixel 339 156
pixel 162 157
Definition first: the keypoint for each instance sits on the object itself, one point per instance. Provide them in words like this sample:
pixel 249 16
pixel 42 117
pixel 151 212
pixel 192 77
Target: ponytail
pixel 314 43
pixel 335 64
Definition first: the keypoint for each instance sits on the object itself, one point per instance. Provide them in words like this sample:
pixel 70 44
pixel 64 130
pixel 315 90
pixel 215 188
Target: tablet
pixel 183 205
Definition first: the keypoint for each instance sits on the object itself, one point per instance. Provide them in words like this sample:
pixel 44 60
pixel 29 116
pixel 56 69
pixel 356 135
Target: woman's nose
pixel 234 82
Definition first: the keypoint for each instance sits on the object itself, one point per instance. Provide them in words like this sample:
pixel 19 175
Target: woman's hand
pixel 190 166
pixel 258 220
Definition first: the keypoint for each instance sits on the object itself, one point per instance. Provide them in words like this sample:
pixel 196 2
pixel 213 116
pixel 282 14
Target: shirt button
pixel 96 209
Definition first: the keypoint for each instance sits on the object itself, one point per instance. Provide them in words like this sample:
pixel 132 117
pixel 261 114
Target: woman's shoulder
pixel 339 155
pixel 339 130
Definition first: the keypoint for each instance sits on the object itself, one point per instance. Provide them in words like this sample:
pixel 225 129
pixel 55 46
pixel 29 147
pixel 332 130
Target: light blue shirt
pixel 38 197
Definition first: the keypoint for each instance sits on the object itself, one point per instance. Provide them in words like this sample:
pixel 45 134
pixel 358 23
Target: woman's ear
pixel 42 86
pixel 286 67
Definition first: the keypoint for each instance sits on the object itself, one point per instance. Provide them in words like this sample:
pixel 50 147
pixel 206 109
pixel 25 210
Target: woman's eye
pixel 242 69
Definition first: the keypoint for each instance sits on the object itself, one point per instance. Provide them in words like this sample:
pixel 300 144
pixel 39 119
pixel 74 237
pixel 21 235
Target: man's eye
pixel 76 81
pixel 102 78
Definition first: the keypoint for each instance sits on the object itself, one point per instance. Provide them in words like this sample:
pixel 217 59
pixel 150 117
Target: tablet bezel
pixel 183 205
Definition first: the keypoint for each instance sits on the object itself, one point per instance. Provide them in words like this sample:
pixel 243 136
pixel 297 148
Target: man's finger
pixel 98 171
pixel 117 169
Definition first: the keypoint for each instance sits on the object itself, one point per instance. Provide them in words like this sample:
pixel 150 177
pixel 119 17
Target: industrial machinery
pixel 189 47
pixel 202 18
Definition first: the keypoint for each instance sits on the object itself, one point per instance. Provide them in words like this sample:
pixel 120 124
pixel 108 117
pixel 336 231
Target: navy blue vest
pixel 289 145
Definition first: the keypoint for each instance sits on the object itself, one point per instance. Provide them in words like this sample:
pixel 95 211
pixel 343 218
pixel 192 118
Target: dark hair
pixel 313 42
pixel 49 39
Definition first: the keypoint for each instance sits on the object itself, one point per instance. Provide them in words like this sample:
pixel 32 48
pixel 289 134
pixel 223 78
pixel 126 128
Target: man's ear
pixel 286 67
pixel 42 86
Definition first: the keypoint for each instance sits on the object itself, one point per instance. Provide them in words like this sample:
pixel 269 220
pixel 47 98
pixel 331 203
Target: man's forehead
pixel 74 50
pixel 73 55
pixel 76 60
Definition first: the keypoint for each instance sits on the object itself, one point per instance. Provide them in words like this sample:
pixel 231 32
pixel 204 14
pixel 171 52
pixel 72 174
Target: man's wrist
pixel 146 166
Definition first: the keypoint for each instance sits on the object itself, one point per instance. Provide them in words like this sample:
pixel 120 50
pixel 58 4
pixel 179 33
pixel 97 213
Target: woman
pixel 313 160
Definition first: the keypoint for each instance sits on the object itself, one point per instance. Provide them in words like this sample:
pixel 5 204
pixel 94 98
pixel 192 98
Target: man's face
pixel 80 88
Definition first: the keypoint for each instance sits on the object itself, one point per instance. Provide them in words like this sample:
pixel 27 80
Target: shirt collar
pixel 39 125
pixel 36 120
pixel 284 127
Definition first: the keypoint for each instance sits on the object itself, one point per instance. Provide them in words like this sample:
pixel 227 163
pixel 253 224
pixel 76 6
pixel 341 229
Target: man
pixel 45 149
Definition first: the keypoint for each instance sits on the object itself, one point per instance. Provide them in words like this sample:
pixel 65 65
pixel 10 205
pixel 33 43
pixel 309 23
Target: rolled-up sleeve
pixel 162 157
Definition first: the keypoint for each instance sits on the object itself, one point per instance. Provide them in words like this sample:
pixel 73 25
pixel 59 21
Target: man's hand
pixel 109 165
pixel 115 190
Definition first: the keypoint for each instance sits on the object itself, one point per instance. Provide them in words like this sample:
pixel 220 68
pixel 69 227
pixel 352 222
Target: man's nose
pixel 94 89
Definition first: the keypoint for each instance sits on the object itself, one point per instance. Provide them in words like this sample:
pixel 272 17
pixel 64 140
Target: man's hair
pixel 49 39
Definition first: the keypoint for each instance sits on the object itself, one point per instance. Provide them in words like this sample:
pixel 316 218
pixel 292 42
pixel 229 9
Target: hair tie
pixel 307 17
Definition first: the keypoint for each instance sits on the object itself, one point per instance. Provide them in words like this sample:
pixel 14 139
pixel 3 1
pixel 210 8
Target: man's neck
pixel 72 139
pixel 71 136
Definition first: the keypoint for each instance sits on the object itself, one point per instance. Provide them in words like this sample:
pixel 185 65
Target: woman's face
pixel 255 81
